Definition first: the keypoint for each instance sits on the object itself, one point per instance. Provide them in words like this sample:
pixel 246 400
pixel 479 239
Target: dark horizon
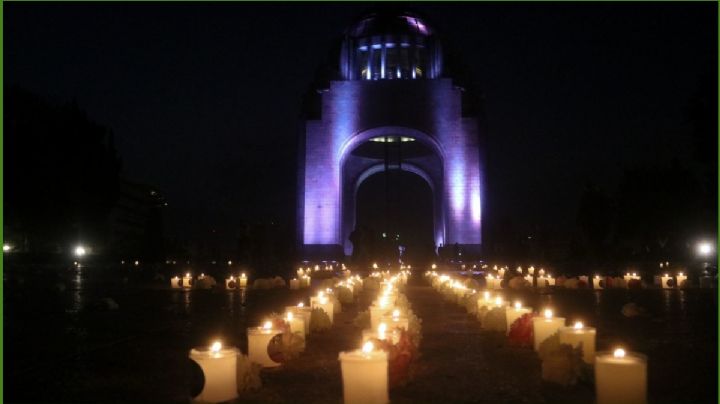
pixel 205 101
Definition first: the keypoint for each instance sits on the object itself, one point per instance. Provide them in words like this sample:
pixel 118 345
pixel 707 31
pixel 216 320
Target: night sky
pixel 204 99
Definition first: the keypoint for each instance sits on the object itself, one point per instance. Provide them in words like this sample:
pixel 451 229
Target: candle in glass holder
pixel 175 282
pixel 620 377
pixel 230 283
pixel 219 367
pixel 531 270
pixel 680 279
pixel 579 334
pixel 596 282
pixel 324 304
pixel 258 341
pixel 302 312
pixel 514 313
pixel 187 280
pixel 294 284
pixel 665 281
pixel 364 375
pixel 545 326
pixel 296 323
pixel 243 280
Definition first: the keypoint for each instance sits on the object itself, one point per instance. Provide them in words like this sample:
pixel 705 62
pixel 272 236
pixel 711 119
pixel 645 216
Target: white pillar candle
pixel 545 326
pixel 680 279
pixel 326 305
pixel 364 376
pixel 228 282
pixel 541 281
pixel 627 277
pixel 187 281
pixel 302 312
pixel 550 280
pixel 296 323
pixel 294 284
pixel 579 334
pixel 258 341
pixel 531 270
pixel 665 281
pixel 219 367
pixel 620 377
pixel 243 280
pixel 501 272
pixel 596 282
pixel 175 282
pixel 514 313
pixel 529 278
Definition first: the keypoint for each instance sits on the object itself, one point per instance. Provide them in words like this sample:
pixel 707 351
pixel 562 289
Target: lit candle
pixel 324 304
pixel 302 312
pixel 665 281
pixel 187 280
pixel 294 284
pixel 680 279
pixel 296 323
pixel 531 270
pixel 545 326
pixel 364 376
pixel 243 280
pixel 175 282
pixel 514 313
pixel 620 377
pixel 596 282
pixel 230 283
pixel 501 272
pixel 219 367
pixel 258 341
pixel 579 334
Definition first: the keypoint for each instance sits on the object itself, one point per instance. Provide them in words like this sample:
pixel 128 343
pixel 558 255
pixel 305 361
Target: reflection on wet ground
pixel 62 332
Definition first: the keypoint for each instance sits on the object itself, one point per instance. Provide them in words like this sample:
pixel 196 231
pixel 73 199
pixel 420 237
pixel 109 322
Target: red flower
pixel 521 331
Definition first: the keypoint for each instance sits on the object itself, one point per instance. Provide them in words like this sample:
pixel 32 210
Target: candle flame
pixel 619 353
pixel 681 274
pixel 267 325
pixel 216 347
pixel 321 294
pixel 242 275
pixel 323 300
pixel 289 316
pixel 396 313
pixel 578 325
pixel 518 305
pixel 382 327
pixel 498 300
pixel 367 347
pixel 486 295
pixel 301 304
pixel 187 275
pixel 548 313
pixel 666 275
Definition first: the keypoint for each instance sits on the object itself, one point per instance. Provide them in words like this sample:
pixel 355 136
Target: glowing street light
pixel 704 249
pixel 80 251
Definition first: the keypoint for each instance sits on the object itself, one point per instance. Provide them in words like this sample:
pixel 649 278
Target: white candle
pixel 596 282
pixel 514 313
pixel 175 282
pixel 365 376
pixel 501 272
pixel 243 280
pixel 579 334
pixel 296 323
pixel 627 277
pixel 324 304
pixel 680 279
pixel 531 270
pixel 187 280
pixel 219 367
pixel 258 341
pixel 302 312
pixel 294 284
pixel 230 283
pixel 545 326
pixel 665 281
pixel 541 281
pixel 620 377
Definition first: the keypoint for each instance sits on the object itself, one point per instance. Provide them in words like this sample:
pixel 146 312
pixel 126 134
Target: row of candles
pixel 620 376
pixel 219 363
pixel 365 370
pixel 186 281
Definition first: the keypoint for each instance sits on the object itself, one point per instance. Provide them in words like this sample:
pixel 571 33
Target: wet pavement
pixel 64 344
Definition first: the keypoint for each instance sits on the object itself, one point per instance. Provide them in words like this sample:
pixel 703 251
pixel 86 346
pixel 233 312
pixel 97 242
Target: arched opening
pixel 394 209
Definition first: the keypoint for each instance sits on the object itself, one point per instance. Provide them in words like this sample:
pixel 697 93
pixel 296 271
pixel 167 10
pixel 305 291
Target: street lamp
pixel 704 249
pixel 80 251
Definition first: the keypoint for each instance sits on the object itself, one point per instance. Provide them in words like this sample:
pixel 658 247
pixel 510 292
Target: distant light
pixel 7 247
pixel 80 251
pixel 704 248
pixel 392 139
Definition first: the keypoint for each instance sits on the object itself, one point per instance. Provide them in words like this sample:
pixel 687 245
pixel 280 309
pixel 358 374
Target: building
pixel 390 92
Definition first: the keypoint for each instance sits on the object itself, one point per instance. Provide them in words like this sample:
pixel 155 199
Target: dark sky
pixel 204 99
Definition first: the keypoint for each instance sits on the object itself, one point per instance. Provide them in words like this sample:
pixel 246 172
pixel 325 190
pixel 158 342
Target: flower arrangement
pixel 521 331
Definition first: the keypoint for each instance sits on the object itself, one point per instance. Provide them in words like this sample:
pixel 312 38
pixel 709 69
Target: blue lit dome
pixel 390 46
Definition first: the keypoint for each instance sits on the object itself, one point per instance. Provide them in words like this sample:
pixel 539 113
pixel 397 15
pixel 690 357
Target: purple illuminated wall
pixel 354 111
